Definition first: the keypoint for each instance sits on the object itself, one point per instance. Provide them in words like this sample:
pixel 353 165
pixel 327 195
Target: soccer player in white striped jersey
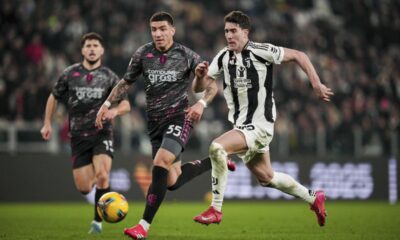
pixel 245 67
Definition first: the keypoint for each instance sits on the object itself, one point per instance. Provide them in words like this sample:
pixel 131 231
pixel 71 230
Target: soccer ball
pixel 112 207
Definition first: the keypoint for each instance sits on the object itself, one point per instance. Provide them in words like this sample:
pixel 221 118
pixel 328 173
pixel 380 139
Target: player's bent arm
pixel 117 92
pixel 304 62
pixel 198 85
pixel 210 91
pixel 51 106
pixel 196 111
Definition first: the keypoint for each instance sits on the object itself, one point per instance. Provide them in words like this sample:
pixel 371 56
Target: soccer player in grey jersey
pixel 245 68
pixel 84 86
pixel 166 67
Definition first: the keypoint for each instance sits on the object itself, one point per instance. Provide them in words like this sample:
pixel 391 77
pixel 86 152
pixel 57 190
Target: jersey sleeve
pixel 269 52
pixel 60 88
pixel 216 70
pixel 135 66
pixel 194 59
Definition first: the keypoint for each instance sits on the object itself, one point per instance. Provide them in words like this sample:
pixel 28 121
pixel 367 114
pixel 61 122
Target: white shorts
pixel 258 137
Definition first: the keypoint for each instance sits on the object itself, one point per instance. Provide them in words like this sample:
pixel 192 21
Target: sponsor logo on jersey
pixel 241 81
pixel 87 92
pixel 157 76
pixel 150 55
pixel 241 71
pixel 76 74
pixel 249 127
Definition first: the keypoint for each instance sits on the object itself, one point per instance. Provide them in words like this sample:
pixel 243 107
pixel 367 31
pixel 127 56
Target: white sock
pixel 144 224
pixel 97 223
pixel 91 195
pixel 287 184
pixel 219 174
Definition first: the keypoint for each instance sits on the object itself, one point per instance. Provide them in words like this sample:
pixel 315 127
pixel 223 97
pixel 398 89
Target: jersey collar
pixel 166 51
pixel 245 46
pixel 94 69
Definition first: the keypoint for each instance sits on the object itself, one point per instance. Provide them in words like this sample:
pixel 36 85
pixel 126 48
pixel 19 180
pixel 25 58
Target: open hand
pixel 323 92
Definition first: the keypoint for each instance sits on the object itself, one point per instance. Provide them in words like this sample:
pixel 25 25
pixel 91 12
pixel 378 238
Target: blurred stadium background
pixel 348 147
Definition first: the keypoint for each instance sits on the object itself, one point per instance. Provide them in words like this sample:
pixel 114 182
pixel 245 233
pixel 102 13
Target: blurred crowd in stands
pixel 354 45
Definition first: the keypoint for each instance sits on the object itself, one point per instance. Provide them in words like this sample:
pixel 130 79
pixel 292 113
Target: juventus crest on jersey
pixel 247 81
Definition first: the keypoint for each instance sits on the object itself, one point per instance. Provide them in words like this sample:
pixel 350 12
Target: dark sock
pixel 99 193
pixel 156 193
pixel 191 170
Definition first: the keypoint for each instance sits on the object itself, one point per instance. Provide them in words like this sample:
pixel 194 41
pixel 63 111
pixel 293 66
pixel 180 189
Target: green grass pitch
pixel 242 220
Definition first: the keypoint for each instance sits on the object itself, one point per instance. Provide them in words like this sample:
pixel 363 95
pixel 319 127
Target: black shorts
pixel 177 128
pixel 84 148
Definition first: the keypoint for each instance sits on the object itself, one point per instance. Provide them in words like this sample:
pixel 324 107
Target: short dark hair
pixel 162 16
pixel 92 36
pixel 239 18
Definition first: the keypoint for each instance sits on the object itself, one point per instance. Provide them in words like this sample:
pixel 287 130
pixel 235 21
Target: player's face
pixel 163 34
pixel 236 36
pixel 92 51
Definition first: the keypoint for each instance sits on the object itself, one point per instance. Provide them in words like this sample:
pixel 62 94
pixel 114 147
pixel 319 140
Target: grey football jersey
pixel 166 78
pixel 84 91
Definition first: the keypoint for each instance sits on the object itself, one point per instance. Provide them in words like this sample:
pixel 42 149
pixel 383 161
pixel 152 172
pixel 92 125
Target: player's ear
pixel 173 30
pixel 101 50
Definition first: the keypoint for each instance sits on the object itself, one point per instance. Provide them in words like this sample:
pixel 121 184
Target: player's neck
pixel 242 46
pixel 166 48
pixel 90 66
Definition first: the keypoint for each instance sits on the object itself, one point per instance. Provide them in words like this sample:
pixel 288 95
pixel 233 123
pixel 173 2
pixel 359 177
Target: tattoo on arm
pixel 210 92
pixel 118 91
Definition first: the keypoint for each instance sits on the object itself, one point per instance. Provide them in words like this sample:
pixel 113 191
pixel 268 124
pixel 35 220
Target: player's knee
pixel 83 185
pixel 84 189
pixel 176 171
pixel 102 178
pixel 173 176
pixel 217 151
pixel 163 161
pixel 84 192
pixel 173 187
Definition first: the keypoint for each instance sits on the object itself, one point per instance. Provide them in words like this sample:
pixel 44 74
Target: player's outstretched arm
pixel 116 95
pixel 304 62
pixel 196 111
pixel 48 117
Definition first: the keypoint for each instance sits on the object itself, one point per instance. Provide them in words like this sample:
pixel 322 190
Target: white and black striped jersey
pixel 247 81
